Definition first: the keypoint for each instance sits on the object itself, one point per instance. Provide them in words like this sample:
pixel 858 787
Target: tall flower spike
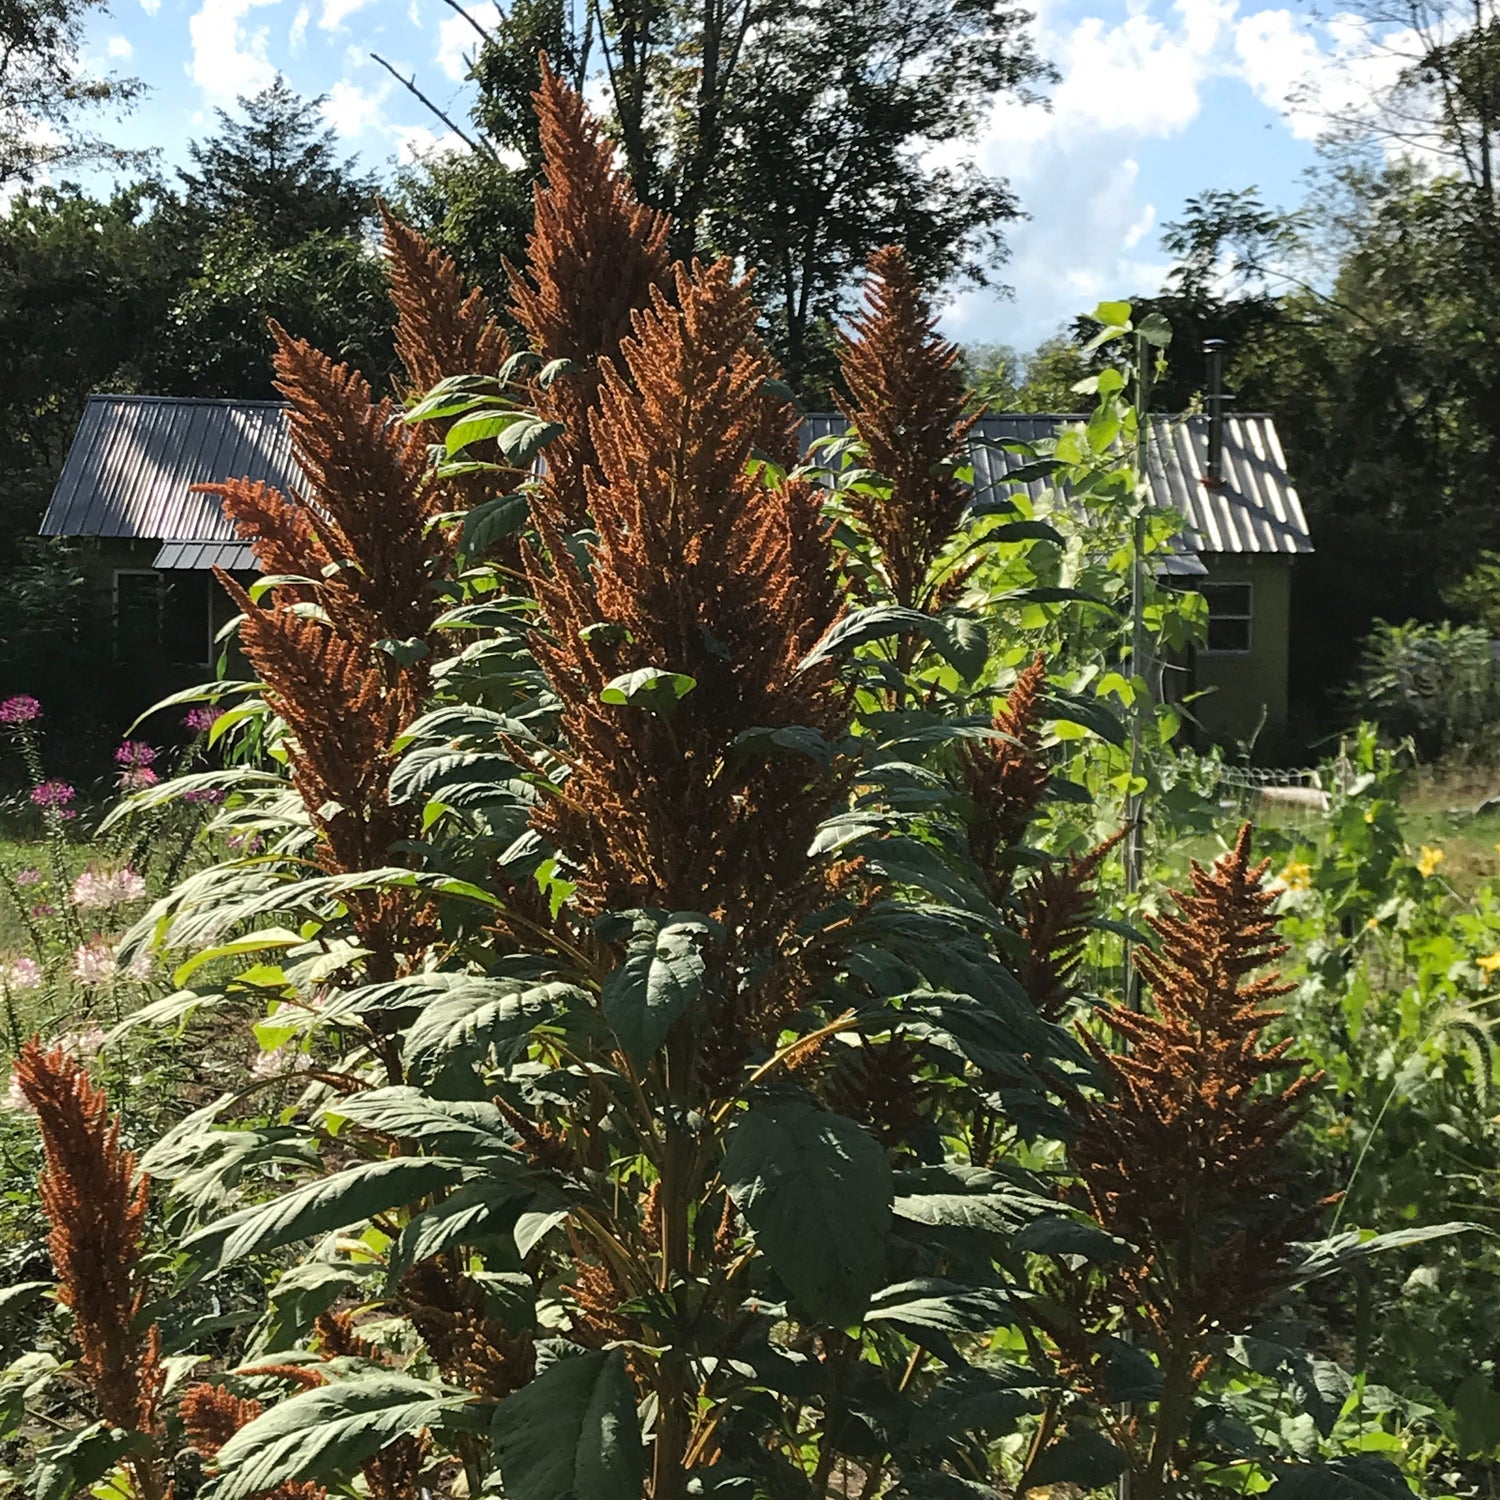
pixel 374 497
pixel 593 257
pixel 444 327
pixel 1055 909
pixel 95 1201
pixel 703 571
pixel 908 408
pixel 1183 1156
pixel 1006 778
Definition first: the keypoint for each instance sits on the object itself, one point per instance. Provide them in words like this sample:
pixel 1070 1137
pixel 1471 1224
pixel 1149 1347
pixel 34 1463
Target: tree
pixel 1041 381
pixel 1443 101
pixel 277 170
pixel 277 222
pixel 798 138
pixel 45 91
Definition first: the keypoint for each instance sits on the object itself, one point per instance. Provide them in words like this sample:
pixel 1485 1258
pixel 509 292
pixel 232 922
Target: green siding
pixel 1239 689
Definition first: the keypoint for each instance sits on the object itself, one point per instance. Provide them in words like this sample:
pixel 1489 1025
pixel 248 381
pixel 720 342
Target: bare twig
pixel 480 147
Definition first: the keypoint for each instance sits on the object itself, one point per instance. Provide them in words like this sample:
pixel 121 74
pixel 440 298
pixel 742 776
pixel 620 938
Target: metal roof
pixel 135 460
pixel 1256 509
pixel 233 557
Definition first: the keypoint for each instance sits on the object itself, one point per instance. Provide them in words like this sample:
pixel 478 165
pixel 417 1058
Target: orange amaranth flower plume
pixel 1006 778
pixel 444 327
pixel 908 407
pixel 95 1201
pixel 1055 907
pixel 1183 1156
pixel 703 571
pixel 593 257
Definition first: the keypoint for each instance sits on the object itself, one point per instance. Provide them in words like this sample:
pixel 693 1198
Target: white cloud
pixel 119 46
pixel 1126 81
pixel 151 6
pixel 298 34
pixel 229 58
pixel 416 143
pixel 336 12
pixel 1312 72
pixel 351 110
pixel 457 39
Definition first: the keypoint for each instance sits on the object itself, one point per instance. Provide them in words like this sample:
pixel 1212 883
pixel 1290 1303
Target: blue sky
pixel 1158 100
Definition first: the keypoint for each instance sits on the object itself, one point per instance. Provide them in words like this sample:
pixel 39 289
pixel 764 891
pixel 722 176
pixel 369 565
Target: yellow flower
pixel 1489 962
pixel 1297 876
pixel 1429 861
pixel 1372 923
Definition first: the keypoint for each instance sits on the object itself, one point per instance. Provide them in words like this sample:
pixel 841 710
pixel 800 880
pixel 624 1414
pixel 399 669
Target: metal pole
pixel 1135 806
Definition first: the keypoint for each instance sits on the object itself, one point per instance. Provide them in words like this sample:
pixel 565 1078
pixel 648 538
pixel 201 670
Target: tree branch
pixel 480 147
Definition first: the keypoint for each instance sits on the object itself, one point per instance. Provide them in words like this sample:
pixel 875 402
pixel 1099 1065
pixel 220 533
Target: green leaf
pixel 662 975
pixel 1061 1234
pixel 962 642
pixel 1113 314
pixel 947 1307
pixel 79 1460
pixel 1324 1257
pixel 877 622
pixel 1359 1477
pixel 816 1189
pixel 573 1433
pixel 492 521
pixel 649 688
pixel 345 1198
pixel 327 1433
pixel 1087 1459
pixel 1090 713
pixel 22 1294
pixel 1155 329
pixel 474 1015
pixel 477 1132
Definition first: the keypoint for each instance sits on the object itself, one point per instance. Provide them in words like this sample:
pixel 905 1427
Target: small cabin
pixel 150 539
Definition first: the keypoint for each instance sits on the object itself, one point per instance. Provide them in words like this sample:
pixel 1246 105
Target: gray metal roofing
pixel 1255 510
pixel 233 557
pixel 135 460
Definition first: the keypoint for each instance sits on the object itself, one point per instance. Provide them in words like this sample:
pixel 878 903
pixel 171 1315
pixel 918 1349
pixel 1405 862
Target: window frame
pixel 1207 587
pixel 116 574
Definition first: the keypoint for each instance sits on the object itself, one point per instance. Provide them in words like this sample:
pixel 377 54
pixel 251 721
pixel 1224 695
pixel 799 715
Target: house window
pixel 164 617
pixel 137 611
pixel 187 618
pixel 1231 606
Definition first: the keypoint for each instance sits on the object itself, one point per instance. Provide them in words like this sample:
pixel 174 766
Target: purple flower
pixel 22 709
pixel 137 778
pixel 53 794
pixel 135 753
pixel 29 876
pixel 209 796
pixel 200 720
pixel 42 909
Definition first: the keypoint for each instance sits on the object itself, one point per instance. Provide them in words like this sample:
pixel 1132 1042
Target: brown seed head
pixel 908 407
pixel 594 256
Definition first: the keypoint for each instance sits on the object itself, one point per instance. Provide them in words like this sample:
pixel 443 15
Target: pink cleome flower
pixel 29 876
pixel 53 794
pixel 20 973
pixel 137 778
pixel 206 796
pixel 94 962
pixel 135 753
pixel 201 719
pixel 22 709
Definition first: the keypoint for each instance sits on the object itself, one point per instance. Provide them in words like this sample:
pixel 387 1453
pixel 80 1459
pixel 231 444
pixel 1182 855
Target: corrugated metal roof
pixel 1255 510
pixel 135 460
pixel 233 557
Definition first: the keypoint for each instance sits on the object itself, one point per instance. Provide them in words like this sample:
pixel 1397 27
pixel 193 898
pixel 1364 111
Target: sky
pixel 1157 101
